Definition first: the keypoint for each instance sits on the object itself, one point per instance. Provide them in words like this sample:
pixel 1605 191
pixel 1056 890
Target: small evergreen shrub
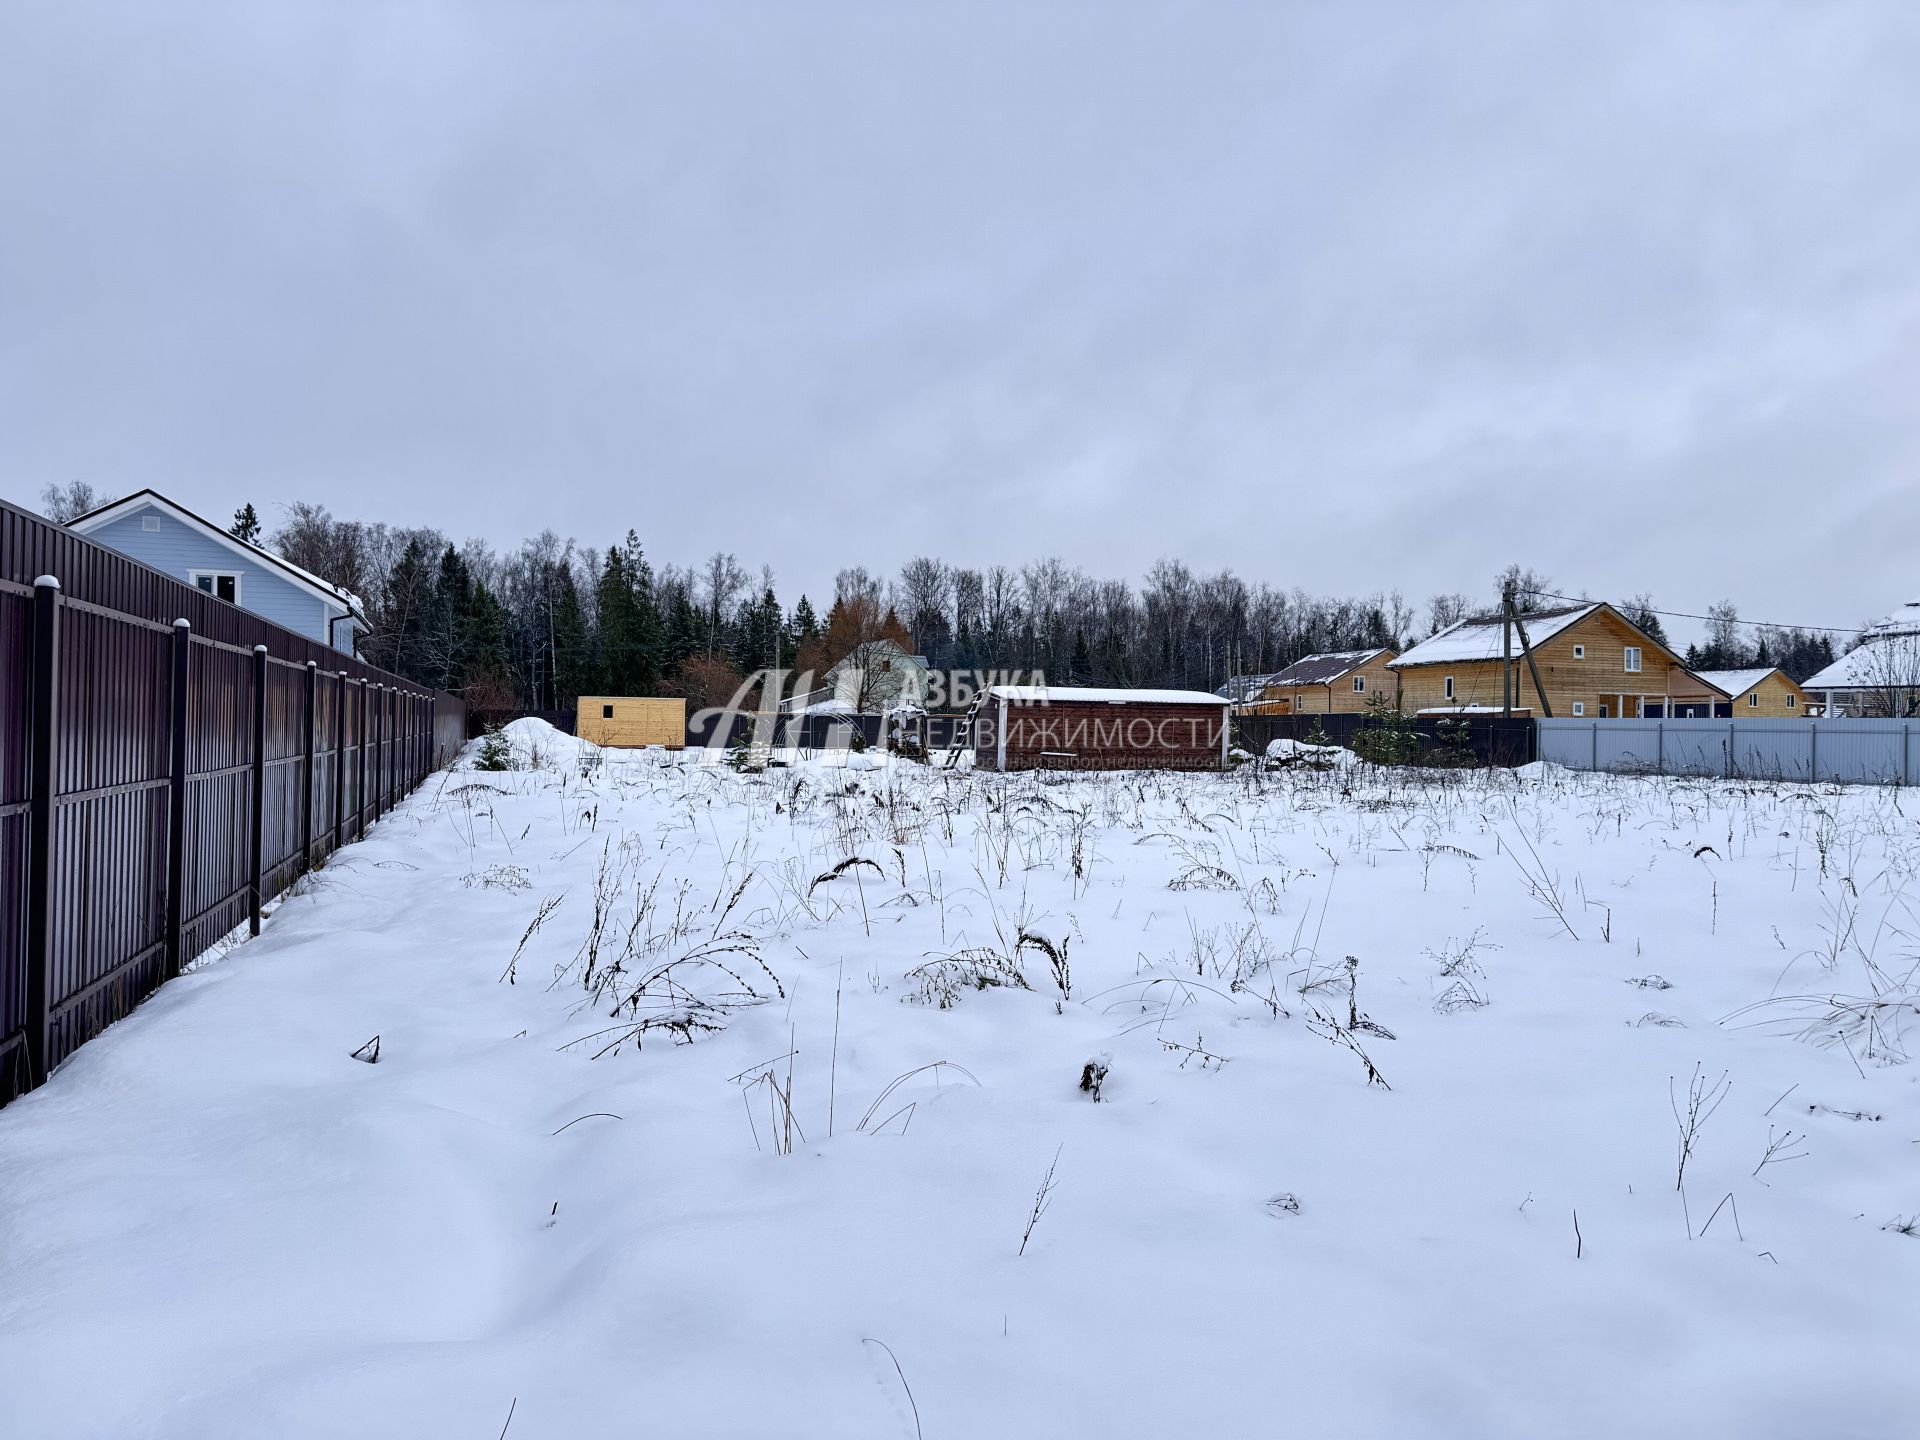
pixel 1389 736
pixel 495 752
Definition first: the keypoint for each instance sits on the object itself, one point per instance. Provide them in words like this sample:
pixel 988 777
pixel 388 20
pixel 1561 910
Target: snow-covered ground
pixel 1385 1146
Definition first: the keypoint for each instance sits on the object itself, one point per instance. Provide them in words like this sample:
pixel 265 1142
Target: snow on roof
pixel 1735 682
pixel 1085 695
pixel 1478 637
pixel 1472 710
pixel 104 514
pixel 1888 661
pixel 1904 621
pixel 1245 687
pixel 1325 668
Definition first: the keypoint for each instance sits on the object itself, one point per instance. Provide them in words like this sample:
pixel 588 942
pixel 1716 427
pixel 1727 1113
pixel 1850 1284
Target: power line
pixel 1711 619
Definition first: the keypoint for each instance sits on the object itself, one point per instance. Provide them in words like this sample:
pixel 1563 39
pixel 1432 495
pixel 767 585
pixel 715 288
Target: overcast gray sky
pixel 1344 296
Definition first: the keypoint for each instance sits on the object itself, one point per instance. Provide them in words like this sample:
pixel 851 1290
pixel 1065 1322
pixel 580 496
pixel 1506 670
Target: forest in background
pixel 538 626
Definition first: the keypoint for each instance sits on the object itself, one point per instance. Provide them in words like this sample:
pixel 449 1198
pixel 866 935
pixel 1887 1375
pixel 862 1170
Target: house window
pixel 1449 687
pixel 1603 709
pixel 1791 700
pixel 1753 701
pixel 1579 652
pixel 1359 684
pixel 606 712
pixel 1579 707
pixel 149 522
pixel 1633 659
pixel 221 584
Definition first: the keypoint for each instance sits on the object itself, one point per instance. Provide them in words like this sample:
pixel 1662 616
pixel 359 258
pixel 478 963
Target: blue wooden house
pixel 171 538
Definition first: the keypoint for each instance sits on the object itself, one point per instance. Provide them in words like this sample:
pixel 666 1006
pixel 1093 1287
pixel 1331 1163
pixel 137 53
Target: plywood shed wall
pixel 632 721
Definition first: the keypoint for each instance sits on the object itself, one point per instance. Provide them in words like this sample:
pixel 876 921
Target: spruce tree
pixel 246 524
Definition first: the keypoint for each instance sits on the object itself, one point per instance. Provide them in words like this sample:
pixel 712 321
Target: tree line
pixel 538 625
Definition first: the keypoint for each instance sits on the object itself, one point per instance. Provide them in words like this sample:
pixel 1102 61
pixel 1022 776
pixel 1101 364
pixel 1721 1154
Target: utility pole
pixel 1506 650
pixel 1533 668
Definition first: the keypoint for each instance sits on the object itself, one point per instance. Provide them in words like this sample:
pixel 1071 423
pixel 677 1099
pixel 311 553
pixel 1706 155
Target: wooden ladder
pixel 963 732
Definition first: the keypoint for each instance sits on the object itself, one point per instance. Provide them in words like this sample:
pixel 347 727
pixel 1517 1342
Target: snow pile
pixel 1346 1104
pixel 1299 752
pixel 534 744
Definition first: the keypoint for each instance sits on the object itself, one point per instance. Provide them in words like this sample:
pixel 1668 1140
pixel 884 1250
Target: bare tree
pixel 61 503
pixel 1887 674
pixel 1444 609
pixel 925 585
pixel 1532 589
pixel 721 583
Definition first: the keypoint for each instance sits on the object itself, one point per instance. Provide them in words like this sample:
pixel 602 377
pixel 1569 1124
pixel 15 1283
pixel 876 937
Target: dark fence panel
pixel 1488 739
pixel 791 732
pixel 15 638
pixel 93 789
pixel 109 811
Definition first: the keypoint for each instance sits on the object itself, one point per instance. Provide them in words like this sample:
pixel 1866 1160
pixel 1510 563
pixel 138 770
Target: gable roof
pixel 1904 621
pixel 1241 688
pixel 325 590
pixel 1477 637
pixel 871 650
pixel 1327 668
pixel 1887 663
pixel 1736 683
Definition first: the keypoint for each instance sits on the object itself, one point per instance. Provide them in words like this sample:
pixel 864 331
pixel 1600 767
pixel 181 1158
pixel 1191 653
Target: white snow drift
pixel 703 1101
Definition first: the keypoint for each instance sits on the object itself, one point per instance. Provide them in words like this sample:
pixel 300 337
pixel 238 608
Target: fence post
pixel 360 766
pixel 339 758
pixel 257 840
pixel 379 754
pixel 1729 749
pixel 1594 763
pixel 1660 746
pixel 312 704
pixel 177 800
pixel 1813 752
pixel 1906 752
pixel 41 778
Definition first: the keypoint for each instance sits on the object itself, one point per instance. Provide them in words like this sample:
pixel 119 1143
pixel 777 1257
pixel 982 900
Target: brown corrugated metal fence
pixel 168 764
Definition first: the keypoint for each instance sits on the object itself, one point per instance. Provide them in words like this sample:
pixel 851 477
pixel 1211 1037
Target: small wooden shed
pixel 1070 727
pixel 1761 693
pixel 630 722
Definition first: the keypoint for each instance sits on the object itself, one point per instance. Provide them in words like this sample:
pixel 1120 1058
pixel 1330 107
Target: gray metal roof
pixel 1324 669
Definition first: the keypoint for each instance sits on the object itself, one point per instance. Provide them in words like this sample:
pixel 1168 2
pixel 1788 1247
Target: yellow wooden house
pixel 1591 661
pixel 1761 693
pixel 1341 682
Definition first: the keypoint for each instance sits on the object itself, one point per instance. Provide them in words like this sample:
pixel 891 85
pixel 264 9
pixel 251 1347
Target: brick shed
pixel 1063 727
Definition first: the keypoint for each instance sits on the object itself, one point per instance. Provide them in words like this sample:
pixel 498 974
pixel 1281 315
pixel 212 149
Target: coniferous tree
pixel 616 607
pixel 450 628
pixel 402 617
pixel 246 524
